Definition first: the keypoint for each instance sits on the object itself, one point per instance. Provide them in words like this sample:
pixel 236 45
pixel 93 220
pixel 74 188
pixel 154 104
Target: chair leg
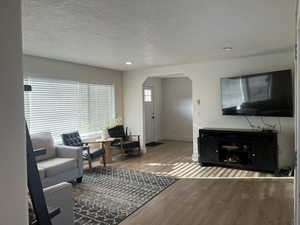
pixel 89 158
pixel 104 160
pixel 139 149
pixel 90 163
pixel 123 151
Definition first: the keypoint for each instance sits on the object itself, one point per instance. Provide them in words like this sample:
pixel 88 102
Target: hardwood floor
pixel 200 197
pixel 175 159
pixel 219 202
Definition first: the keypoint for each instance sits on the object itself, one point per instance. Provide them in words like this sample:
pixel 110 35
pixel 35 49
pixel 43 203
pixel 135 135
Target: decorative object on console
pixel 246 149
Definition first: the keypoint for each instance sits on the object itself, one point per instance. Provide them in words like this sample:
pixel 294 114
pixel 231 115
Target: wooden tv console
pixel 239 148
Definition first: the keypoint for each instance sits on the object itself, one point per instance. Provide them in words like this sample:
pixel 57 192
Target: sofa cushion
pixel 44 140
pixel 55 166
pixel 41 172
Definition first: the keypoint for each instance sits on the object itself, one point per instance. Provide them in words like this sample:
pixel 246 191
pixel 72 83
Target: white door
pixel 149 114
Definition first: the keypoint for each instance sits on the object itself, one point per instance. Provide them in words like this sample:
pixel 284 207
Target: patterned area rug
pixel 107 196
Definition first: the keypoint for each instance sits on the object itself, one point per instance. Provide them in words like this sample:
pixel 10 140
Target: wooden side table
pixel 107 146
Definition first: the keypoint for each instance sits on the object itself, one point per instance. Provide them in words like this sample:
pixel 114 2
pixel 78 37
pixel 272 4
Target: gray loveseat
pixel 60 163
pixel 57 196
pixel 60 196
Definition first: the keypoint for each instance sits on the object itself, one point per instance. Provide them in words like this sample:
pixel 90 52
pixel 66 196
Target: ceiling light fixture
pixel 128 63
pixel 227 48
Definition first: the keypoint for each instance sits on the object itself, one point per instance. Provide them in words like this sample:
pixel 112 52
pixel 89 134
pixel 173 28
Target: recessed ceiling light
pixel 128 63
pixel 227 48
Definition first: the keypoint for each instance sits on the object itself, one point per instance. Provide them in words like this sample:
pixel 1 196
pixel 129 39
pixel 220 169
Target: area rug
pixel 108 195
pixel 153 144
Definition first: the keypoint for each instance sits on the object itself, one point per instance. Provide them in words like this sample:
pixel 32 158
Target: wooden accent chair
pixel 74 139
pixel 124 141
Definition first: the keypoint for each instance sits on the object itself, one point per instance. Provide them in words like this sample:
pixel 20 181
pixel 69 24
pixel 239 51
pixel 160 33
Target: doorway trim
pixel 194 155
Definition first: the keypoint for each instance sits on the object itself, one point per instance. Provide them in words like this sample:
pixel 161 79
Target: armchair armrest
pixel 60 196
pixel 64 151
pixel 90 142
pixel 49 191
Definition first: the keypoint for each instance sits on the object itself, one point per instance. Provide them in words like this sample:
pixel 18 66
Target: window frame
pixel 148 95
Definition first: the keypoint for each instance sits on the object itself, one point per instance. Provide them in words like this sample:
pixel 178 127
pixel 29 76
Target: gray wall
pixel 49 68
pixel 13 209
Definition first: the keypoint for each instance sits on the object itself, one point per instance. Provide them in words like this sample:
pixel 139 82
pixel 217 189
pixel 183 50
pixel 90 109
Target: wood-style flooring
pixel 208 195
pixel 219 202
pixel 175 159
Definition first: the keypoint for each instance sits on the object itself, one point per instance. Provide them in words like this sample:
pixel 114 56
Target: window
pixel 60 106
pixel 147 95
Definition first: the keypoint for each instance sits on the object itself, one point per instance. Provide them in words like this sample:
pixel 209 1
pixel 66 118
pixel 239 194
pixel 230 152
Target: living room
pixel 163 112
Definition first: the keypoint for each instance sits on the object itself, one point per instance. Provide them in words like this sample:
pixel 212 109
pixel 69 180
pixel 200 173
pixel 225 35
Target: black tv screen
pixel 265 94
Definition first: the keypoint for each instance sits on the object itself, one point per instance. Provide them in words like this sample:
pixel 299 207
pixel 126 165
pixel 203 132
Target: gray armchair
pixel 60 163
pixel 57 196
pixel 60 196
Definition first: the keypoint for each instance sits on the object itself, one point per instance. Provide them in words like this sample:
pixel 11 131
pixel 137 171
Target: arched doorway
pixel 167 109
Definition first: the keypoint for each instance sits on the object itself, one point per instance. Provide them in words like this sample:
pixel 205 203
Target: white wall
pixel 156 84
pixel 13 204
pixel 206 80
pixel 177 121
pixel 42 67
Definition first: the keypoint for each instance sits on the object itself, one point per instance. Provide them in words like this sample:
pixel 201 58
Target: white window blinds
pixel 60 106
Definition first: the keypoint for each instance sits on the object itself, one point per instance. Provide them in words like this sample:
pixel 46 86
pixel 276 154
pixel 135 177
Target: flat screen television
pixel 265 94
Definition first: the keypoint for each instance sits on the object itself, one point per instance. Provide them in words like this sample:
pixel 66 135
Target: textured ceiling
pixel 107 33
